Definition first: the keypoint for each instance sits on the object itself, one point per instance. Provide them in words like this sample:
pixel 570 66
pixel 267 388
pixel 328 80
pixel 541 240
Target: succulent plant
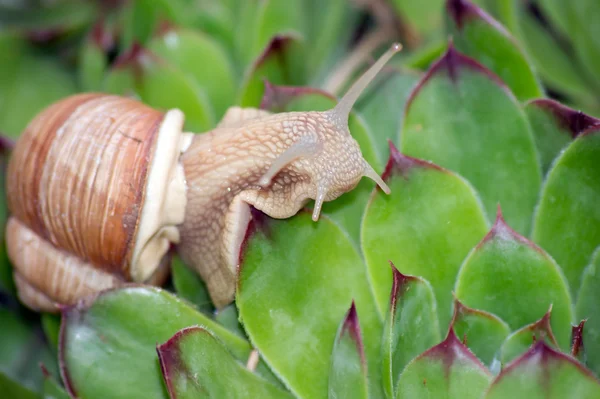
pixel 477 277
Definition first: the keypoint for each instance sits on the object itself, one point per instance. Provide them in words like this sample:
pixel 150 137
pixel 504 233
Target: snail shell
pixel 95 191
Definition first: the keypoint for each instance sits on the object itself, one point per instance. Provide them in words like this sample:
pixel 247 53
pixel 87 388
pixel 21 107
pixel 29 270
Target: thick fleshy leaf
pixel 108 343
pixel 478 35
pixel 93 56
pixel 382 103
pixel 462 118
pixel 448 370
pixel 552 59
pixel 22 349
pixel 554 126
pixel 140 72
pixel 51 326
pixel 28 83
pixel 327 29
pixel 588 307
pixel 511 277
pixel 52 388
pixel 12 389
pixel 410 328
pixel 543 372
pixel 296 279
pixel 202 58
pixel 195 363
pixel 427 226
pixel 47 19
pixel 349 208
pixel 585 36
pixel 348 371
pixel 482 332
pixel 275 64
pixel 190 286
pixel 567 220
pixel 228 318
pixel 522 339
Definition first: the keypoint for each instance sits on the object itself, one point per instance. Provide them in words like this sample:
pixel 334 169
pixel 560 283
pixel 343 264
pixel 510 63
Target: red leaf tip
pixel 401 164
pixel 452 63
pixel 460 11
pixel 502 231
pixel 276 98
pixel 574 121
pixel 277 45
pixel 450 350
pixel 399 282
pixel 577 339
pixel 352 328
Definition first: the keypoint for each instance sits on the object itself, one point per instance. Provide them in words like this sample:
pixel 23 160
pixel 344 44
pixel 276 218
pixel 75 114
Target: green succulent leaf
pixel 554 126
pixel 276 18
pixel 296 279
pixel 188 285
pixel 509 276
pixel 204 60
pixel 144 74
pixel 228 317
pixel 552 59
pixel 195 363
pixel 348 371
pixel 22 349
pixel 481 331
pixel 478 35
pixel 349 208
pixel 29 82
pixel 585 34
pixel 275 64
pixel 61 17
pixel 522 339
pixel 462 118
pixel 567 221
pixel 448 370
pixel 544 372
pixel 426 226
pixel 14 390
pixel 410 328
pixel 93 60
pixel 588 307
pixel 51 326
pixel 381 103
pixel 53 389
pixel 108 343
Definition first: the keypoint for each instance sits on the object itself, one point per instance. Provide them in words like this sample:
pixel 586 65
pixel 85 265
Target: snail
pixel 101 186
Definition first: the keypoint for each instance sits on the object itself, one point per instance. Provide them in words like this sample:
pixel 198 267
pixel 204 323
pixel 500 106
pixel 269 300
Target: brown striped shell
pixel 77 185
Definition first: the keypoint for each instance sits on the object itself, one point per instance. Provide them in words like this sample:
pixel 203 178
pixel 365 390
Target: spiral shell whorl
pixel 77 174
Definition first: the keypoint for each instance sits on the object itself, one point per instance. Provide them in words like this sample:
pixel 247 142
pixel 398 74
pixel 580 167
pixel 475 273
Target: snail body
pixel 100 187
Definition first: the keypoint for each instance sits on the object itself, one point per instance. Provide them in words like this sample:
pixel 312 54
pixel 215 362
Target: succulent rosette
pixel 477 277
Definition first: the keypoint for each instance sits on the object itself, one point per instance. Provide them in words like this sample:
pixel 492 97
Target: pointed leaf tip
pixel 352 328
pixel 569 119
pixel 399 280
pixel 461 10
pixel 452 62
pixel 276 98
pixel 577 346
pixel 277 45
pixel 502 231
pixel 401 164
pixel 452 349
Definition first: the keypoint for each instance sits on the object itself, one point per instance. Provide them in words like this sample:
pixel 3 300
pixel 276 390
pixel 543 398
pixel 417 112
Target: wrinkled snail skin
pixel 100 187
